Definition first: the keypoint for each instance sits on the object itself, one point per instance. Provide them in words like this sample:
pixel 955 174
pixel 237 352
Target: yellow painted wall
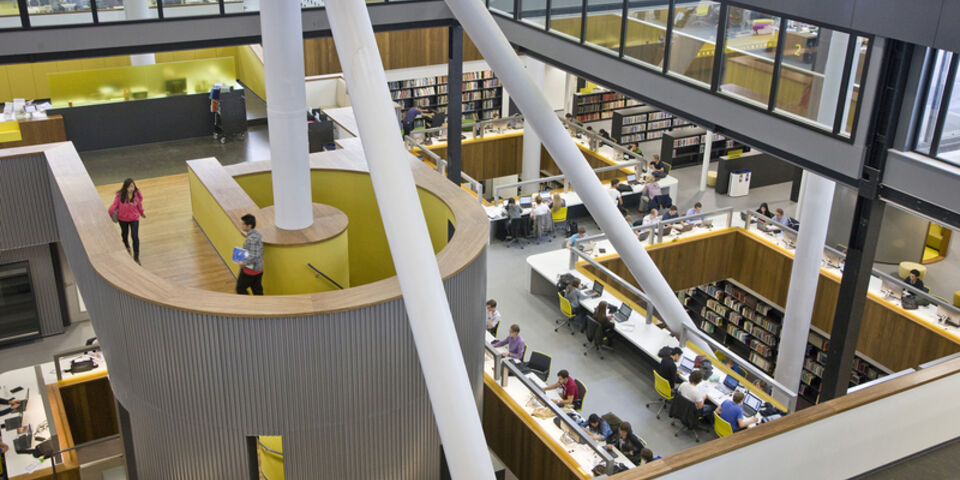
pixel 214 222
pixel 250 71
pixel 271 464
pixel 352 193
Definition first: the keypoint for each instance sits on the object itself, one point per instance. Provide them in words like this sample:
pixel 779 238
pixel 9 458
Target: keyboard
pixel 748 411
pixel 724 389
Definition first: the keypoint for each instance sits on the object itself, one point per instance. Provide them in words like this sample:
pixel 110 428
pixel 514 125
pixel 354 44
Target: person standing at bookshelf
pixel 251 268
pixel 408 120
pixel 126 210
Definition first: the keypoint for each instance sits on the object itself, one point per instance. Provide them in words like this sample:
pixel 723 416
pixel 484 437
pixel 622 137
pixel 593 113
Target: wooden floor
pixel 171 244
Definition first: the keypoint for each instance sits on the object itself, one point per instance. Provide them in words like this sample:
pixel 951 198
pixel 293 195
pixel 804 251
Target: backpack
pixel 564 280
pixel 571 228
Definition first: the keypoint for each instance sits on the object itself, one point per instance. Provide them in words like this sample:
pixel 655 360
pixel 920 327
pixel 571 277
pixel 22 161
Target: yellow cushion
pixel 904 270
pixel 712 178
pixel 956 298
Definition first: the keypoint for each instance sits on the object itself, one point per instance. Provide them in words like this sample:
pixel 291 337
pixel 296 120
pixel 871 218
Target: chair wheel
pixel 584 354
pixel 676 434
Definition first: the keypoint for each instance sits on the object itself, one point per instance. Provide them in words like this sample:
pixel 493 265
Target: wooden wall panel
pixel 762 268
pixel 490 157
pixel 36 132
pixel 398 49
pixel 548 166
pixel 91 410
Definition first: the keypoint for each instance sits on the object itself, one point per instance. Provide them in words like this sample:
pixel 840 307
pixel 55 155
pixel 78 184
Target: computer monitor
pixel 546 194
pixel 753 402
pixel 687 364
pixel 891 289
pixel 948 316
pixel 731 382
pixel 631 177
pixel 598 287
pixel 832 258
pixel 526 201
pixel 790 237
pixel 570 433
pixel 625 311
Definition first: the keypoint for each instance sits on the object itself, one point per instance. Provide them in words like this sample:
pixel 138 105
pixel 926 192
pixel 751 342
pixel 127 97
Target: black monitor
pixel 731 382
pixel 525 202
pixel 598 287
pixel 624 311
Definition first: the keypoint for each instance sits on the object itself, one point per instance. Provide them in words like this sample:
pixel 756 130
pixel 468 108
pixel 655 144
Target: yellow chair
pixel 720 426
pixel 956 298
pixel 559 219
pixel 663 389
pixel 568 314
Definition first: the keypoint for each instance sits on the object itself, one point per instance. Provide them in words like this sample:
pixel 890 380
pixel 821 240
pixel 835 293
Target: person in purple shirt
pixel 517 345
pixel 408 120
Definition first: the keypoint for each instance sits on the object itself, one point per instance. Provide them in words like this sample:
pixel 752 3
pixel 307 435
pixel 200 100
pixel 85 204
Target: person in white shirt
pixel 652 218
pixel 539 208
pixel 697 208
pixel 615 194
pixel 695 390
pixel 780 217
pixel 493 316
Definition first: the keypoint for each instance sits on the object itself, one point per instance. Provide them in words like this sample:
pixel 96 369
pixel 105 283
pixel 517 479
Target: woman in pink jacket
pixel 127 209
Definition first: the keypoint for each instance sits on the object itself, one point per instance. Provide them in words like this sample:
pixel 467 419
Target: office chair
pixel 539 364
pixel 568 314
pixel 542 228
pixel 496 328
pixel 559 218
pixel 516 228
pixel 663 389
pixel 523 354
pixel 720 426
pixel 686 411
pixel 596 338
pixel 581 393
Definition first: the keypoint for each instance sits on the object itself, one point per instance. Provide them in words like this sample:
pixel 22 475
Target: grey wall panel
pixel 926 178
pixel 948 35
pixel 828 12
pixel 915 21
pixel 25 205
pixel 333 385
pixel 44 284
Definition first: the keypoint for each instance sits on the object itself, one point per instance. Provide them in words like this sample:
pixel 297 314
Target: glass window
pixel 604 19
pixel 565 17
pixel 193 8
pixel 694 39
pixel 931 105
pixel 52 13
pixel 853 89
pixel 646 33
pixel 534 12
pixel 9 14
pixel 749 54
pixel 811 74
pixel 950 137
pixel 502 6
pixel 114 11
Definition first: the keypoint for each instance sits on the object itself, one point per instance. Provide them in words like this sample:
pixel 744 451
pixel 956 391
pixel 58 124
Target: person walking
pixel 251 268
pixel 126 210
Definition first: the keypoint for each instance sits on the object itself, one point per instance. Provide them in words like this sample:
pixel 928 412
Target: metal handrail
pixel 555 178
pixel 574 253
pixel 596 140
pixel 56 453
pixel 441 165
pixel 319 273
pixel 72 351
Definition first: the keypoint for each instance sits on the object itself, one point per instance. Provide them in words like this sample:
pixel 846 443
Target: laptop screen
pixel 624 311
pixel 731 382
pixel 525 202
pixel 686 363
pixel 598 287
pixel 753 402
pixel 631 177
pixel 546 194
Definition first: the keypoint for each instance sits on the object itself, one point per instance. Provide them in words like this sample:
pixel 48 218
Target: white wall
pixel 554 87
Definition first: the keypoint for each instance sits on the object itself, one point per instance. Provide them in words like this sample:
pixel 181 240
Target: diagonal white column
pixel 423 294
pixel 538 115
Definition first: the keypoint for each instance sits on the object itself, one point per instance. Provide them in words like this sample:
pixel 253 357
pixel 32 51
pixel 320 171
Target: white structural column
pixel 282 30
pixel 530 168
pixel 431 322
pixel 707 151
pixel 138 10
pixel 802 294
pixel 496 50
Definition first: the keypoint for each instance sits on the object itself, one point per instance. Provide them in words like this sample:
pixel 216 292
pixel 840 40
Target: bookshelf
pixel 747 325
pixel 684 146
pixel 482 95
pixel 644 123
pixel 815 361
pixel 589 107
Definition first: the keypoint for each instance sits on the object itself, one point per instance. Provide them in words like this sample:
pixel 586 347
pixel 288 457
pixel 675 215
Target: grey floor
pixel 942 462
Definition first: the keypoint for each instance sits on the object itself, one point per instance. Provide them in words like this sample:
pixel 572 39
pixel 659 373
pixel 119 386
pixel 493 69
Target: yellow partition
pixel 215 223
pixel 250 71
pixel 270 456
pixel 10 131
pixel 87 87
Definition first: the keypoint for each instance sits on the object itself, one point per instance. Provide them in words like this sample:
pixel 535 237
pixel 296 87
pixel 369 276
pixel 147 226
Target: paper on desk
pixel 33 467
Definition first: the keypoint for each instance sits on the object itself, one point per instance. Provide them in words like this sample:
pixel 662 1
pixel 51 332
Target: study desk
pixel 580 455
pixel 34 416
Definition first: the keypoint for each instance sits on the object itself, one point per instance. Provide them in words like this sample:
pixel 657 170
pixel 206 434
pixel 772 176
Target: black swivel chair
pixel 539 364
pixel 687 413
pixel 581 393
pixel 597 338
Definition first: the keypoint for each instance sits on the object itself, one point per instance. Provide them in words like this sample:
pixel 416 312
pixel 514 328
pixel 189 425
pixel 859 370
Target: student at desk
pixel 517 345
pixel 652 218
pixel 568 387
pixel 731 411
pixel 575 295
pixel 12 405
pixel 493 316
pixel 697 208
pixel 514 219
pixel 598 428
pixel 647 456
pixel 572 241
pixel 627 442
pixel 780 218
pixel 658 166
pixel 615 194
pixel 914 280
pixel 695 390
pixel 669 356
pixel 539 207
pixel 604 319
pixel 764 210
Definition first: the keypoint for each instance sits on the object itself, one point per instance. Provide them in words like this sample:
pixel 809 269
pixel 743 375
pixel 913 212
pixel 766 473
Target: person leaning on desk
pixel 567 385
pixel 575 295
pixel 669 356
pixel 11 405
pixel 731 411
pixel 627 442
pixel 517 345
pixel 598 428
pixel 572 241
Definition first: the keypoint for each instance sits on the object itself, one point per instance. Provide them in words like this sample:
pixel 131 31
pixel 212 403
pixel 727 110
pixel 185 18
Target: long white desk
pixel 584 456
pixel 34 417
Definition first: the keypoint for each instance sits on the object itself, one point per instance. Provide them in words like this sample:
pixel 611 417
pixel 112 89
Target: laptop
pixel 686 365
pixel 729 385
pixel 598 288
pixel 623 314
pixel 707 224
pixel 525 202
pixel 13 423
pixel 632 179
pixel 751 405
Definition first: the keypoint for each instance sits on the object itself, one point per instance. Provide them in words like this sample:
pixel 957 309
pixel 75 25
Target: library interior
pixel 651 240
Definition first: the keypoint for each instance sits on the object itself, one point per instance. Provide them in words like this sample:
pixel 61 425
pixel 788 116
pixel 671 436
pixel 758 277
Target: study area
pixel 704 235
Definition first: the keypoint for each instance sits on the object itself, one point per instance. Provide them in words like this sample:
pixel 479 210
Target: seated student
pixel 626 442
pixel 598 428
pixel 572 241
pixel 604 135
pixel 697 208
pixel 731 411
pixel 695 390
pixel 575 295
pixel 603 318
pixel 493 316
pixel 557 203
pixel 780 218
pixel 517 345
pixel 615 195
pixel 672 213
pixel 646 455
pixel 764 210
pixel 658 166
pixel 652 218
pixel 13 405
pixel 733 366
pixel 539 207
pixel 914 281
pixel 651 187
pixel 568 387
pixel 668 365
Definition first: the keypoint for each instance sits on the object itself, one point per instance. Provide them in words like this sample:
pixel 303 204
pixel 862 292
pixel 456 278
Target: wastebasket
pixel 739 183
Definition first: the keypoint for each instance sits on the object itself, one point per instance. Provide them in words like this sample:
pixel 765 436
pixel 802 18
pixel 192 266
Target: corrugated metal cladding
pixel 25 206
pixel 44 284
pixel 345 390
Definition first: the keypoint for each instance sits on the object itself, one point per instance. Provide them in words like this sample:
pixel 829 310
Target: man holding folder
pixel 250 258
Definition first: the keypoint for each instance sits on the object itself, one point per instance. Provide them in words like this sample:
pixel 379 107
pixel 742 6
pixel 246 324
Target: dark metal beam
pixel 454 105
pixel 777 63
pixel 24 13
pixel 868 216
